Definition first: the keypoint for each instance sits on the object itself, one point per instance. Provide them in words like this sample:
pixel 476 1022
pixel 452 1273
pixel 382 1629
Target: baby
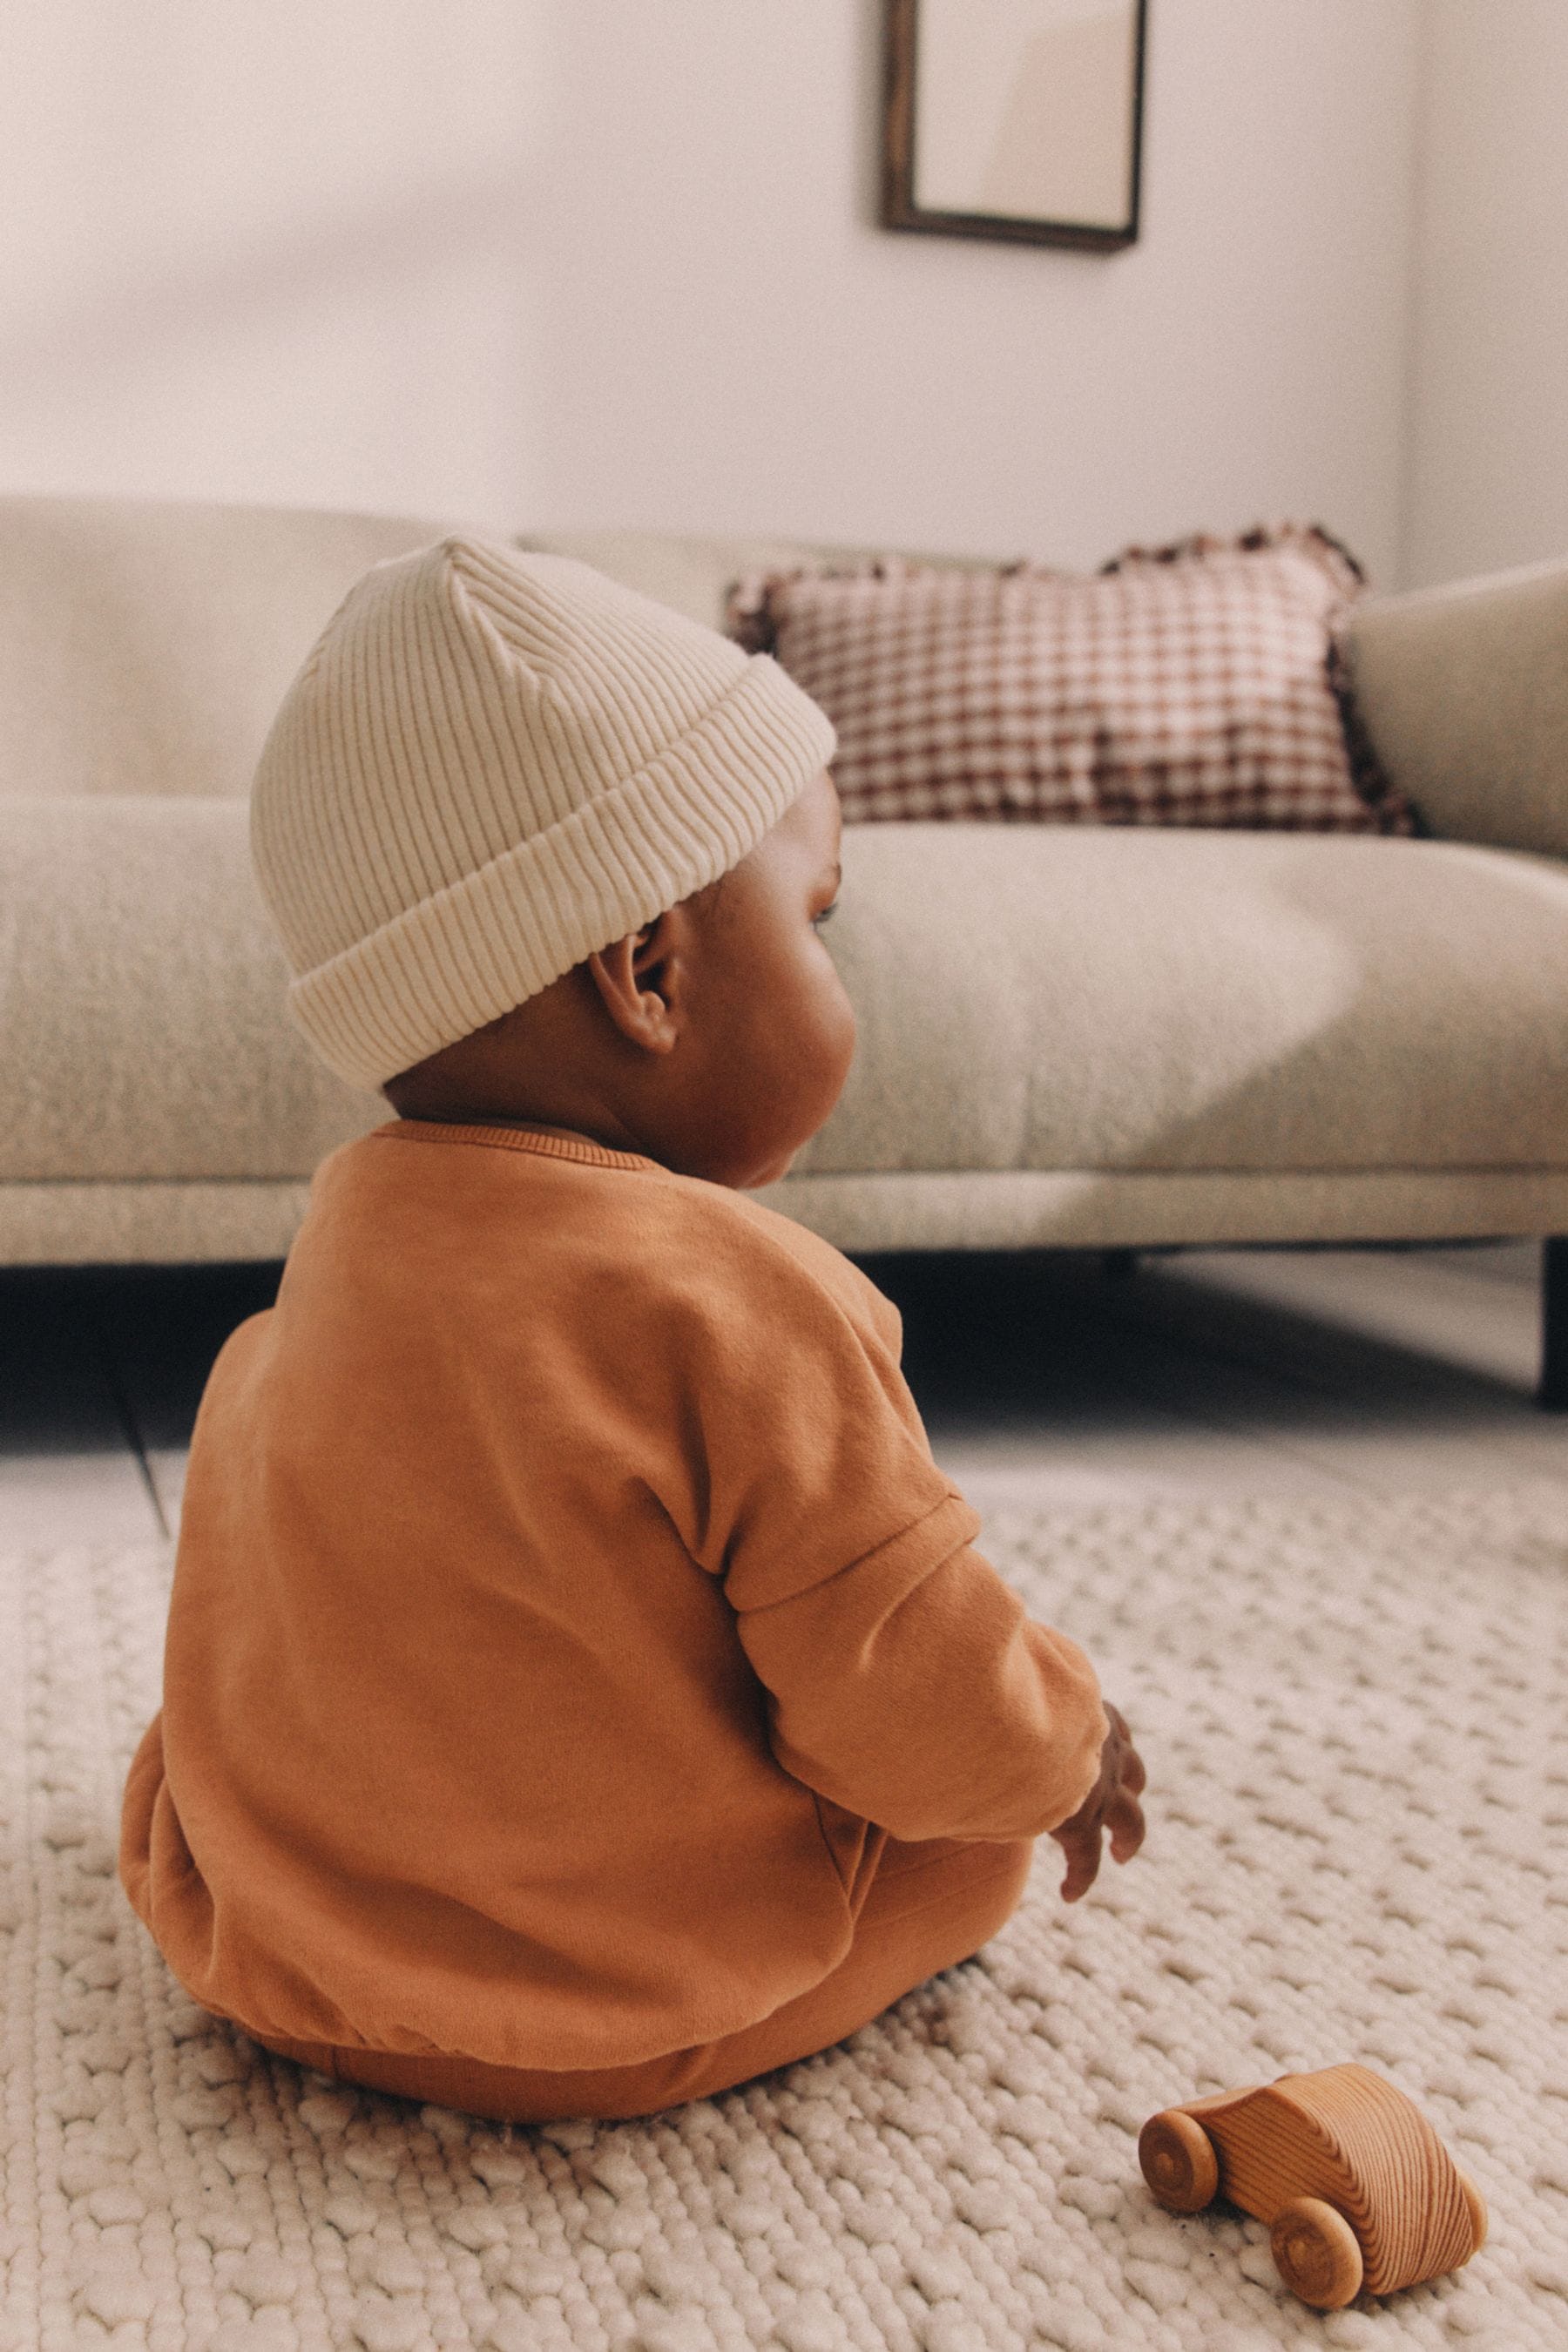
pixel 580 1693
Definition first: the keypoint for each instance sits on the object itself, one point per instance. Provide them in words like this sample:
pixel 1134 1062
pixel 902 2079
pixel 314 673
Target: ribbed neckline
pixel 509 1139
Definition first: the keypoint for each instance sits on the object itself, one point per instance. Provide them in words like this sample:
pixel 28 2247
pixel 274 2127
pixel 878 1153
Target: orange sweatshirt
pixel 566 1607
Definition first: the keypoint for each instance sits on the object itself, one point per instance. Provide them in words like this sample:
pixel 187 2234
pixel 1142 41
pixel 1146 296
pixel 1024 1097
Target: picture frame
pixel 1015 120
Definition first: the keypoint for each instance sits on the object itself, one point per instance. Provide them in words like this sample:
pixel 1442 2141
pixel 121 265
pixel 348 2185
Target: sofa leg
pixel 1553 1393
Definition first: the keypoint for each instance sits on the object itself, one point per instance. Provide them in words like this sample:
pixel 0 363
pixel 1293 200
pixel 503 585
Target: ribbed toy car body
pixel 1357 2189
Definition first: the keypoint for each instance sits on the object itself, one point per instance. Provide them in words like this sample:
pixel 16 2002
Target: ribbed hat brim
pixel 463 957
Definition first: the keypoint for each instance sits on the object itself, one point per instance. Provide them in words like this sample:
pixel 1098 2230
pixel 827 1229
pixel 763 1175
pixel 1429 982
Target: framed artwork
pixel 1015 119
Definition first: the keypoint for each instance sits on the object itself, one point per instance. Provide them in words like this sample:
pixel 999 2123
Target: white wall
pixel 1488 366
pixel 583 262
pixel 268 251
pixel 730 341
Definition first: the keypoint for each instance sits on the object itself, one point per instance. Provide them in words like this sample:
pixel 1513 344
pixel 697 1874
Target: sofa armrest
pixel 1464 693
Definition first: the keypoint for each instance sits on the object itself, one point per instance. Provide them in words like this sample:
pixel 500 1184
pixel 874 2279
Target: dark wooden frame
pixel 899 210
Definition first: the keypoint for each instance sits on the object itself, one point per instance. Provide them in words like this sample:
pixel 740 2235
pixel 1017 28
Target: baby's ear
pixel 640 981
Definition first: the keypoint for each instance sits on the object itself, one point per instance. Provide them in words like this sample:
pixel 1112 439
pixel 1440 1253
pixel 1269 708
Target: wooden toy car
pixel 1354 2184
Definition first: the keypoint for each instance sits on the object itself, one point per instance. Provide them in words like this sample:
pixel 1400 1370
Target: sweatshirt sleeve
pixel 916 1691
pixel 904 1679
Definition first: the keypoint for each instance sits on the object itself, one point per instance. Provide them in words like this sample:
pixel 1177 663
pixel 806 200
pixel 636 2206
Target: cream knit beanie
pixel 490 765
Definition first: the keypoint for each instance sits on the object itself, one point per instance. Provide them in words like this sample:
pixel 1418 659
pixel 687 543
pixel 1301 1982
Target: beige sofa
pixel 1068 1037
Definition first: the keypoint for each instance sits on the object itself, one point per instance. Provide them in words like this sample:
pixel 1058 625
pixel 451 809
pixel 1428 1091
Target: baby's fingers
pixel 1129 1764
pixel 1124 1820
pixel 1080 1841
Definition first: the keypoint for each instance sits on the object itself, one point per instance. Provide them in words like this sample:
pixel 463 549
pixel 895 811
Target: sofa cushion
pixel 1071 998
pixel 142 995
pixel 1195 686
pixel 146 645
pixel 1234 1036
pixel 1028 998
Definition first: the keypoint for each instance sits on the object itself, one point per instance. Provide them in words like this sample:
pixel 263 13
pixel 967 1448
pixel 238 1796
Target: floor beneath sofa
pixel 1211 1371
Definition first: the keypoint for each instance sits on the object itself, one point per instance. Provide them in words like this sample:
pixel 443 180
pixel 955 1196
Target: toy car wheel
pixel 1317 2254
pixel 1178 2161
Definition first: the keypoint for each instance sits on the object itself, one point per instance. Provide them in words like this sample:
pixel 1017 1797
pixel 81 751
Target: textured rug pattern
pixel 1354 1722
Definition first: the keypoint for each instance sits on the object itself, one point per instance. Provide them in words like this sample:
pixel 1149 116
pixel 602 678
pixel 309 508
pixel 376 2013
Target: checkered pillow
pixel 1198 685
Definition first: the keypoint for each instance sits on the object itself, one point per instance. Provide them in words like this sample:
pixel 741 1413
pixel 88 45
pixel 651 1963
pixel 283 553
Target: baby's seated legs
pixel 929 1906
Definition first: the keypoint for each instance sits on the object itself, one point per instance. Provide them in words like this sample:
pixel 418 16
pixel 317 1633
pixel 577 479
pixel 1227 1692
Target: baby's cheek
pixel 841 1031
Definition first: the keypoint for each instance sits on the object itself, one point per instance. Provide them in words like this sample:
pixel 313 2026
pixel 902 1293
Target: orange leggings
pixel 928 1907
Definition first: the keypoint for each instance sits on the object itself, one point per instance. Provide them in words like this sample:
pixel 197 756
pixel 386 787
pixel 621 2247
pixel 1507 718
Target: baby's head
pixel 542 852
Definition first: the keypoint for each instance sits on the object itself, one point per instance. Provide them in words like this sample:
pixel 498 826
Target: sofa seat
pixel 1063 1033
pixel 160 1106
pixel 1088 1036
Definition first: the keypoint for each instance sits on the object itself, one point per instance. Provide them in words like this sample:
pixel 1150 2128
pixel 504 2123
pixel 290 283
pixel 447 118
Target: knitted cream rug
pixel 1354 1717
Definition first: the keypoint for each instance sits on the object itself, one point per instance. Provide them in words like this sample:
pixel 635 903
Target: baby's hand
pixel 1111 1805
